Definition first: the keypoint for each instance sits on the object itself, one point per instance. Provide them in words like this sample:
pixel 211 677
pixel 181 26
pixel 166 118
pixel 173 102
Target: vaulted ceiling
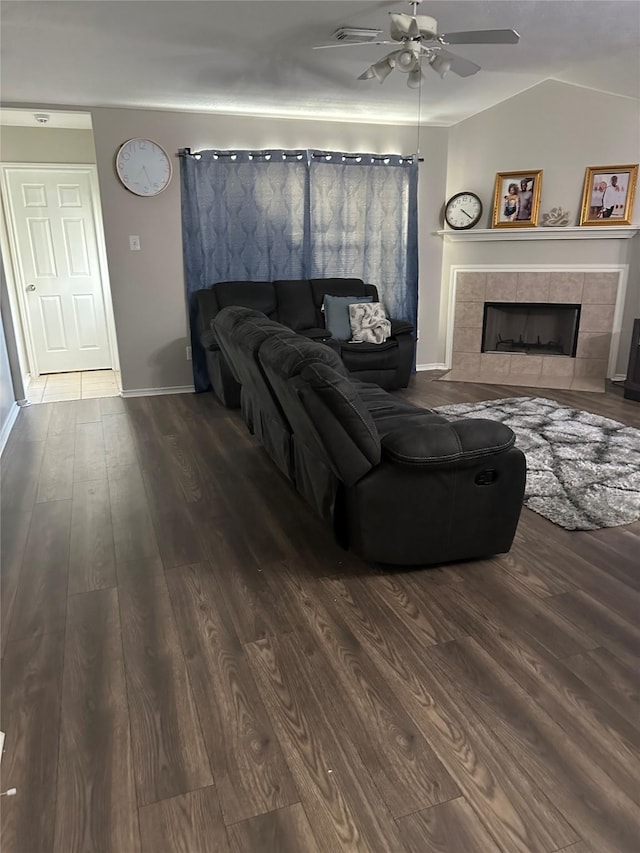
pixel 256 57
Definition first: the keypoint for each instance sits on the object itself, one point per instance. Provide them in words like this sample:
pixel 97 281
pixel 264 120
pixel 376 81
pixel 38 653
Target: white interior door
pixel 54 230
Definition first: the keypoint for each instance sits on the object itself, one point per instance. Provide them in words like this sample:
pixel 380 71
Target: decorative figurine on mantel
pixel 557 217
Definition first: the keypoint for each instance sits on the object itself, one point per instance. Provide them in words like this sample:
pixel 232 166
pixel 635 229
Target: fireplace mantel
pixel 573 232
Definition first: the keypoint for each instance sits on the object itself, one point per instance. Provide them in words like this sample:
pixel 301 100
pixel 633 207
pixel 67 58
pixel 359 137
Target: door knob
pixel 31 287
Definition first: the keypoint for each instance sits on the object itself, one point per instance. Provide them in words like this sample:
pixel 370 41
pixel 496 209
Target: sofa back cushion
pixel 287 358
pixel 322 405
pixel 243 342
pixel 320 287
pixel 295 304
pixel 223 325
pixel 259 295
pixel 340 418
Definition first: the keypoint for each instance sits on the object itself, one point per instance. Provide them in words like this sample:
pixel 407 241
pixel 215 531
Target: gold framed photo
pixel 516 199
pixel 607 198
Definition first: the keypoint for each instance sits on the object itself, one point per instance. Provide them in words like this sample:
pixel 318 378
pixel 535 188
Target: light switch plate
pixel 134 243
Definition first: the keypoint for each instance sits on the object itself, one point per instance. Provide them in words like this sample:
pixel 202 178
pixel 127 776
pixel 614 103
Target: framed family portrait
pixel 516 199
pixel 608 195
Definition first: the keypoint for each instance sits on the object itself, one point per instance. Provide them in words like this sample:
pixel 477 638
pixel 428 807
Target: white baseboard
pixel 155 392
pixel 434 366
pixel 7 426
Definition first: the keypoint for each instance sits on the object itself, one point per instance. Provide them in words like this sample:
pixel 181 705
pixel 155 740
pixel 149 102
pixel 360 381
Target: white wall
pixel 46 145
pixel 148 286
pixel 560 129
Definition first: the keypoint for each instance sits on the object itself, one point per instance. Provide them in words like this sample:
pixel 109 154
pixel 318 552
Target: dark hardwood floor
pixel 191 665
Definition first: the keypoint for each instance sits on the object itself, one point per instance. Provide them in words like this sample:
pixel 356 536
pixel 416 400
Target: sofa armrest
pixel 401 327
pixel 451 444
pixel 209 341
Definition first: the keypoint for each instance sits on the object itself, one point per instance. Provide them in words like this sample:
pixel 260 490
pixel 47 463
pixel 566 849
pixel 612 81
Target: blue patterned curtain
pixel 364 224
pixel 265 215
pixel 244 218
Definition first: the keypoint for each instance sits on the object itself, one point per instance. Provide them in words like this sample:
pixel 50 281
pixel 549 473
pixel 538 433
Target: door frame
pixel 13 267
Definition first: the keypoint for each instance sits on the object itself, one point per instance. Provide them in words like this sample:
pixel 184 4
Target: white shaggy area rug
pixel 583 470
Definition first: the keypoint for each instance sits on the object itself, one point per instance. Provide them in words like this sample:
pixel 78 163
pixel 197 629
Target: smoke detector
pixel 357 34
pixel 41 118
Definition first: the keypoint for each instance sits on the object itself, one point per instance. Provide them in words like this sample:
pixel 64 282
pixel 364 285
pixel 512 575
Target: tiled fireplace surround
pixel 595 291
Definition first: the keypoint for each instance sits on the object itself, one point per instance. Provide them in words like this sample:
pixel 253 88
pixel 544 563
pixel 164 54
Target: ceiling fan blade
pixel 481 37
pixel 460 66
pixel 403 26
pixel 351 44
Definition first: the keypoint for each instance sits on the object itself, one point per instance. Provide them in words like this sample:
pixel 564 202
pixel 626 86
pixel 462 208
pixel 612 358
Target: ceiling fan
pixel 416 38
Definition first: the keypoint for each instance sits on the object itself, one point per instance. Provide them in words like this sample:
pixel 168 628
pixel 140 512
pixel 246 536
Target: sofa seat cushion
pixel 316 334
pixel 363 356
pixel 380 403
pixel 390 422
pixel 365 346
pixel 388 412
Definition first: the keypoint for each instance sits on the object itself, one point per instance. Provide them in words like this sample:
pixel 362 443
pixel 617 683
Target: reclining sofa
pixel 398 484
pixel 298 305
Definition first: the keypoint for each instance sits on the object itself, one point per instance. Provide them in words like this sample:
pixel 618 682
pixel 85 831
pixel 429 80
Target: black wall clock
pixel 463 210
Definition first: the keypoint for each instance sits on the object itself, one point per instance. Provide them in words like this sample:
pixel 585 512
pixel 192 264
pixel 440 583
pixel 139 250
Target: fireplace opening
pixel 530 328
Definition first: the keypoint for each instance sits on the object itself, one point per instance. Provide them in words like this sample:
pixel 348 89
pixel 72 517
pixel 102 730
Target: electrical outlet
pixel 134 243
pixel 188 353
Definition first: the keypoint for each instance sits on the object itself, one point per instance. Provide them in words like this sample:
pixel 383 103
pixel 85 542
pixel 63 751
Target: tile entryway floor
pixel 54 387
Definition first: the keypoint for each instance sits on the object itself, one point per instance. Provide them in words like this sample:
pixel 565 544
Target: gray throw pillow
pixel 336 314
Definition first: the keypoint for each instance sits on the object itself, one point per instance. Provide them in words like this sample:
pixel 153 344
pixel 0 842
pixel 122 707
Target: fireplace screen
pixel 531 328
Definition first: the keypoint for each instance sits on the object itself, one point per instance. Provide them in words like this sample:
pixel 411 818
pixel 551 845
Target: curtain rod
pixel 187 152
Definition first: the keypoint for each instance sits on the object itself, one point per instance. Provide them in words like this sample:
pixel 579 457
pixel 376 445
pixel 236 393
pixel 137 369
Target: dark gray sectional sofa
pixel 398 484
pixel 298 305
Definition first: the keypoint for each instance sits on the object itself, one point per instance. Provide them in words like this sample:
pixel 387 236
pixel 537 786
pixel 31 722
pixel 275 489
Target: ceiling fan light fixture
pixel 368 74
pixel 382 69
pixel 417 38
pixel 440 65
pixel 414 78
pixel 406 60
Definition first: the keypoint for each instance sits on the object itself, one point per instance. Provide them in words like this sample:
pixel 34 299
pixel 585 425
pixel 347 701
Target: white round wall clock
pixel 143 166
